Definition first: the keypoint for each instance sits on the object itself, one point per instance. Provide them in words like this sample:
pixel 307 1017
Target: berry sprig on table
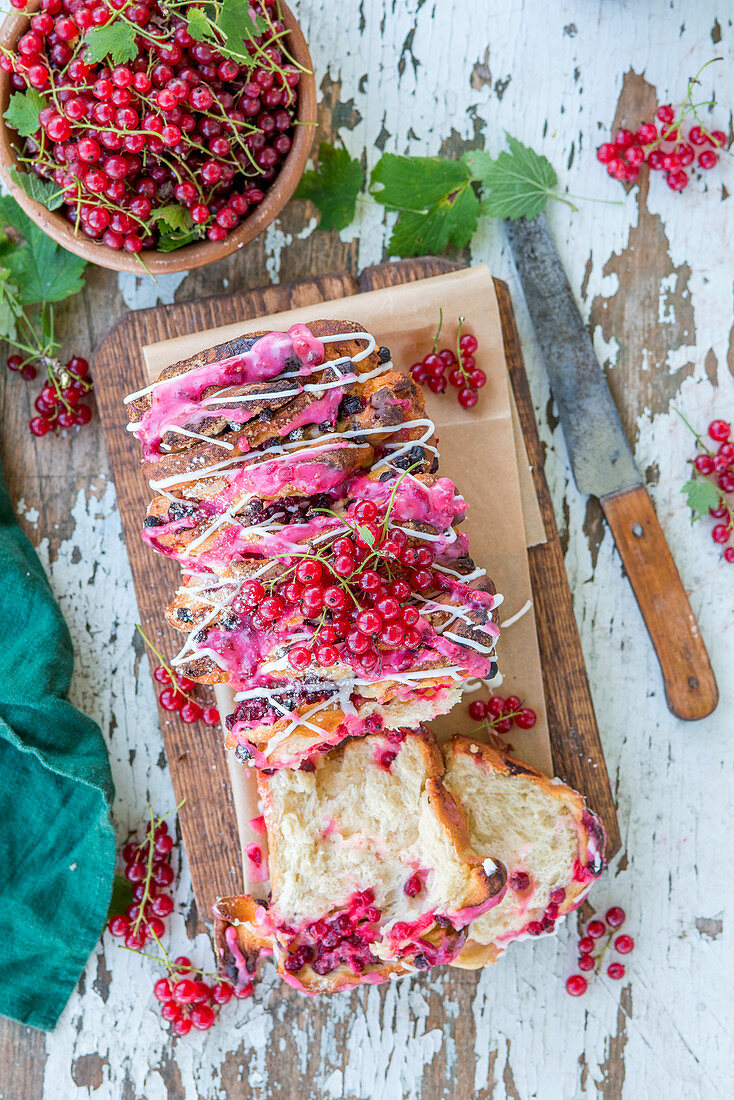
pixel 499 715
pixel 152 124
pixel 712 484
pixel 669 145
pixel 599 936
pixel 59 404
pixel 461 366
pixel 148 869
pixel 177 689
pixel 187 1001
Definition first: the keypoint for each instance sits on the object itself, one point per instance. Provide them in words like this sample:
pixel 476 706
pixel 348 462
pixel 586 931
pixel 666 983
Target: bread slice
pixel 254 390
pixel 371 869
pixel 551 844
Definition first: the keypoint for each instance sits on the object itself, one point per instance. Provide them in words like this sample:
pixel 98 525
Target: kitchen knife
pixel 604 467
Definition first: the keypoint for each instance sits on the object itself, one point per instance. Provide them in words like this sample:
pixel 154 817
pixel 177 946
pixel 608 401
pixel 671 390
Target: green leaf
pixel 517 184
pixel 116 40
pixel 435 198
pixel 23 110
pixel 333 187
pixel 169 242
pixel 174 216
pixel 11 214
pixel 44 191
pixel 700 496
pixel 41 269
pixel 198 25
pixel 365 534
pixel 8 329
pixel 239 26
pixel 122 897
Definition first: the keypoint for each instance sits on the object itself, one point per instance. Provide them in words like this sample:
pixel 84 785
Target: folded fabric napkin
pixel 57 846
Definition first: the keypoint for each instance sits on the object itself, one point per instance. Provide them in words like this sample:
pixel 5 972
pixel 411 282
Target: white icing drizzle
pixel 518 615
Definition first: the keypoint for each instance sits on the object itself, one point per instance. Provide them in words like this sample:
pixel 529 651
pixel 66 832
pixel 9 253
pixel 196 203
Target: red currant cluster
pixel 461 366
pixel 593 946
pixel 183 121
pixel 499 714
pixel 175 697
pixel 353 605
pixel 718 465
pixel 148 868
pixel 668 149
pixel 59 404
pixel 188 1001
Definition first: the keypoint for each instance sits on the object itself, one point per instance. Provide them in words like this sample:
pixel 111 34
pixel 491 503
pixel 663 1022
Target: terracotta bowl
pixel 192 255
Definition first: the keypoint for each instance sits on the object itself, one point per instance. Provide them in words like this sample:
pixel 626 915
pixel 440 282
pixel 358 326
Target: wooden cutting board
pixel 195 753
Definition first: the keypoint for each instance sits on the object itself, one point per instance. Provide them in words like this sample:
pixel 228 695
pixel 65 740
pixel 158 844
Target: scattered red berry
pixel 576 985
pixel 596 929
pixel 624 944
pixel 500 714
pixel 586 962
pixel 460 365
pixel 717 468
pixel 615 917
pixel 615 970
pixel 670 150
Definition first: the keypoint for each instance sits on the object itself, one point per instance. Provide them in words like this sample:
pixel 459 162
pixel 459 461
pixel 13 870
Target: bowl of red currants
pixel 154 135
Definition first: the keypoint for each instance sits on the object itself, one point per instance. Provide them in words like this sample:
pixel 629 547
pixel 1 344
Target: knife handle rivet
pixel 693 683
pixel 637 530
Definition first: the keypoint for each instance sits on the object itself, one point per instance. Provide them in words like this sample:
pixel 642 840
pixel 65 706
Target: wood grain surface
pixel 653 277
pixel 195 755
pixel 690 686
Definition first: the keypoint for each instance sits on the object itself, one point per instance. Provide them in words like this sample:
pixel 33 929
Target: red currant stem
pixel 462 368
pixel 699 438
pixel 162 660
pixel 599 958
pixel 438 330
pixel 148 874
pixel 53 379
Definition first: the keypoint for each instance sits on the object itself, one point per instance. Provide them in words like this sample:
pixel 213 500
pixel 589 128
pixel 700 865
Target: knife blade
pixel 603 466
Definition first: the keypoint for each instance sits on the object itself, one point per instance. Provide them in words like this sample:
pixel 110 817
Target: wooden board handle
pixel 690 687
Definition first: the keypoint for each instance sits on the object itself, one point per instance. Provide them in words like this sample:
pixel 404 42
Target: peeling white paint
pixel 142 292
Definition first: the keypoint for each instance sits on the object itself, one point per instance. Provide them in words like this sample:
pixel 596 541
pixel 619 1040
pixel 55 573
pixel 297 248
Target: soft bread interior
pixel 355 824
pixel 535 826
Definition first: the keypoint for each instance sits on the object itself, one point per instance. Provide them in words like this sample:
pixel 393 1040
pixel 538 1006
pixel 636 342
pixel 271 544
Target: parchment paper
pixel 481 450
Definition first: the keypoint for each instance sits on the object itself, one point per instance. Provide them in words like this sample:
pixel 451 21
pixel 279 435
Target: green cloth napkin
pixel 57 845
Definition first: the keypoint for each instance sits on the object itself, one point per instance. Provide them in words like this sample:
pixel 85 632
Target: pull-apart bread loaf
pixel 551 844
pixel 371 870
pixel 326 580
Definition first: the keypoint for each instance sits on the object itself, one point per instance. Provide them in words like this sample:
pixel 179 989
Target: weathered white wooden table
pixel 654 276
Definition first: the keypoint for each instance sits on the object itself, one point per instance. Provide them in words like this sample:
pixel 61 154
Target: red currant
pixel 576 985
pixel 624 944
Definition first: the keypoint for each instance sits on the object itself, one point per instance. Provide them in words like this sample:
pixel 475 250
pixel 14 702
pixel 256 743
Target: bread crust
pixel 590 832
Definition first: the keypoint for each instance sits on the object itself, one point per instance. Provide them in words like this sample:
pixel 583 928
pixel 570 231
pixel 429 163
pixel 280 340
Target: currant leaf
pixel 239 25
pixel 169 242
pixel 333 187
pixel 515 185
pixel 122 896
pixel 40 268
pixel 23 110
pixel 43 191
pixel 701 495
pixel 115 40
pixel 365 534
pixel 174 216
pixel 8 290
pixel 435 200
pixel 198 25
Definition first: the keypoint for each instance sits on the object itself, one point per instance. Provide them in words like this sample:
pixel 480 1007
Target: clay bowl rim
pixel 193 255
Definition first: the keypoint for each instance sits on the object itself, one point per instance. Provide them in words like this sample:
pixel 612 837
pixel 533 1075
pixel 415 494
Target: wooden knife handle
pixel 690 686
